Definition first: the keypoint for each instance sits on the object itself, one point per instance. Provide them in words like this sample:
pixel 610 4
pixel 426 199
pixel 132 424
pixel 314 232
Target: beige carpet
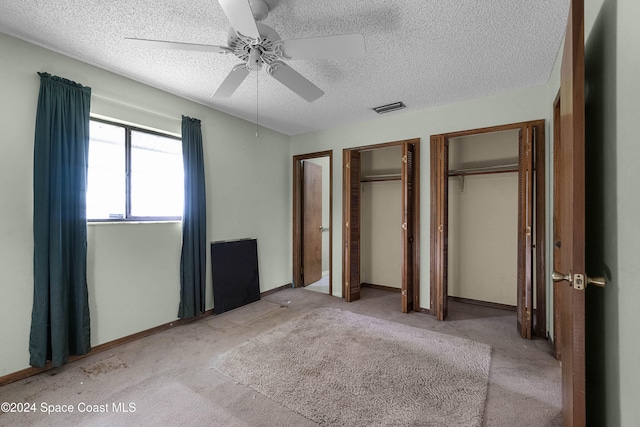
pixel 339 368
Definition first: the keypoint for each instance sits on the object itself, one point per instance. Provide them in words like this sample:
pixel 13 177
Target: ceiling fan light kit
pixel 255 44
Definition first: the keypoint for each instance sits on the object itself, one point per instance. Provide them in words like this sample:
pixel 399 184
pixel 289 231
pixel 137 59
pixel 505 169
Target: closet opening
pixel 312 221
pixel 488 221
pixel 381 220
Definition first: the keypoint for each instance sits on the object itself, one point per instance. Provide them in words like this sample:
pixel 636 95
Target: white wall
pixel 133 269
pixel 483 238
pixel 628 206
pixel 512 107
pixel 380 233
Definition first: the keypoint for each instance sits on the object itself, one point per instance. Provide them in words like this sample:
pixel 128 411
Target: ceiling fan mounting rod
pixel 255 59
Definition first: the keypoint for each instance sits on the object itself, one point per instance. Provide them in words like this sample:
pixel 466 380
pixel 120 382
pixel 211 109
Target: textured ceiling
pixel 421 52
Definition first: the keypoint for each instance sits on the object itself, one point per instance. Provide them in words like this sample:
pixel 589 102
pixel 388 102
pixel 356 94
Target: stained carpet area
pixel 339 368
pixel 169 380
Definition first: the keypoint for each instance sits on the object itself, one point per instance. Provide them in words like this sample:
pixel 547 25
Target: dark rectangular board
pixel 234 269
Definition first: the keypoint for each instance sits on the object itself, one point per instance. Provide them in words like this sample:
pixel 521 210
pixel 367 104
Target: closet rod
pixel 382 177
pixel 485 170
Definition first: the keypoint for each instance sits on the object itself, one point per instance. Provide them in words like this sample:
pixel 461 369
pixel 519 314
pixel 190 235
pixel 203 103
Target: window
pixel 134 174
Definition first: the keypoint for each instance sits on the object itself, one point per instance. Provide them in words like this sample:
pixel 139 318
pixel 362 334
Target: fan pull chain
pixel 257 133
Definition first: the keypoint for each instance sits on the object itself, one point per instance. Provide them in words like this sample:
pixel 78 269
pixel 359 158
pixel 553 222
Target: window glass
pixel 133 174
pixel 157 176
pixel 106 179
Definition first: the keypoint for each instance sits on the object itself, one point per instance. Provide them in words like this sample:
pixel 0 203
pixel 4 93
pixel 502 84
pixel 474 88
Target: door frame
pixel 557 334
pixel 297 215
pixel 410 258
pixel 439 218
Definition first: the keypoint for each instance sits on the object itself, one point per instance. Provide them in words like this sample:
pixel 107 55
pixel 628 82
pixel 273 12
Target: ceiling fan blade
pixel 241 17
pixel 295 81
pixel 339 46
pixel 162 44
pixel 232 81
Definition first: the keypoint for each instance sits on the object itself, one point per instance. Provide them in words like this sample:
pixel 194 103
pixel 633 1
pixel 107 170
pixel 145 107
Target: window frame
pixel 127 147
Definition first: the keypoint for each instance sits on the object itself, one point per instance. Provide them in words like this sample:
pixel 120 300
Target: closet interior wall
pixel 483 217
pixel 381 217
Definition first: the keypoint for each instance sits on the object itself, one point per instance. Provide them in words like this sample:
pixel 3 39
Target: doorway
pixel 528 266
pixel 312 221
pixel 398 174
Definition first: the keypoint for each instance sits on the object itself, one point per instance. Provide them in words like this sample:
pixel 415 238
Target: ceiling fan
pixel 257 44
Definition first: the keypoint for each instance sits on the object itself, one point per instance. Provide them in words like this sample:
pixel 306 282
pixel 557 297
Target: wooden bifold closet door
pixel 409 227
pixel 531 224
pixel 351 225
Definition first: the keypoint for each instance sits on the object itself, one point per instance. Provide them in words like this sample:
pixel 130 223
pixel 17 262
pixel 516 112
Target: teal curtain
pixel 60 315
pixel 194 223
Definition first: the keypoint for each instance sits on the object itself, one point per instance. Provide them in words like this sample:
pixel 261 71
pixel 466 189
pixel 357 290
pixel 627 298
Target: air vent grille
pixel 389 108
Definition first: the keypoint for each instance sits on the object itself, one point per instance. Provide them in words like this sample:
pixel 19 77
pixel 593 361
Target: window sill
pixel 172 221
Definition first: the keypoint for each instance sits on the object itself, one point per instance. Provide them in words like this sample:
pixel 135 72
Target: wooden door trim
pixel 540 321
pixel 384 145
pixel 416 214
pixel 438 220
pixel 490 129
pixel 297 215
pixel 555 224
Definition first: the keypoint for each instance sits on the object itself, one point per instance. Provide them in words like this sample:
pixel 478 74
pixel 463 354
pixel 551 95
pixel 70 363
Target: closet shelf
pixel 484 170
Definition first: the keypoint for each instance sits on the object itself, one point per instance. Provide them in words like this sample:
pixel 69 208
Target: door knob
pixel 596 281
pixel 559 277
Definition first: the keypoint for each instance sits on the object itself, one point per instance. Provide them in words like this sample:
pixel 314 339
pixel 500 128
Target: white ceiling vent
pixel 389 108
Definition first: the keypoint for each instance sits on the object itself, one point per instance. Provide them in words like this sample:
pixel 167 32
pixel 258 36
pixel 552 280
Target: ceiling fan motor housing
pixel 255 52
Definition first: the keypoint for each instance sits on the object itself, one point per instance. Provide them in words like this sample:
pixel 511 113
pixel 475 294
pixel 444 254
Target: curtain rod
pixel 135 107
